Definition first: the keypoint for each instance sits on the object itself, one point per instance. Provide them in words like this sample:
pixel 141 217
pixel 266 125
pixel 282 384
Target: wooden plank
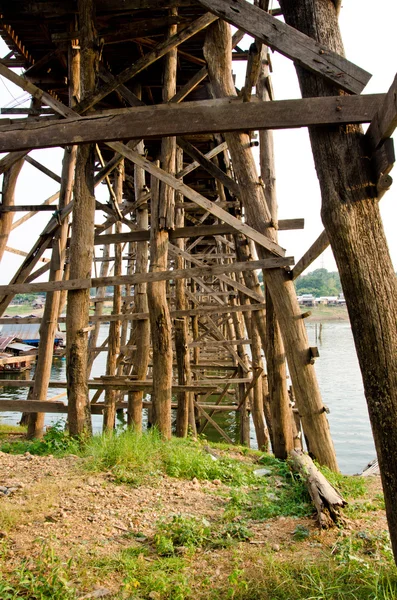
pixel 28 208
pixel 206 116
pixel 211 207
pixel 384 121
pixel 55 407
pixel 203 310
pixel 310 256
pixel 43 169
pixel 120 385
pixel 290 42
pixel 83 284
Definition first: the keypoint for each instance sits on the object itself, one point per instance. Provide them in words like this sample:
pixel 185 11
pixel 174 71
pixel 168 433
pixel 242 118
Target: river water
pixel 340 383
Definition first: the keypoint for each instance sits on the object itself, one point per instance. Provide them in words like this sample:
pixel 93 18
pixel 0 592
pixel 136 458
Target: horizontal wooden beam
pixel 203 310
pixel 84 284
pixel 290 42
pixel 56 407
pixel 94 384
pixel 206 116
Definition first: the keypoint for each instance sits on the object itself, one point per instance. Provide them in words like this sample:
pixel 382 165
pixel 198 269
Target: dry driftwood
pixel 325 497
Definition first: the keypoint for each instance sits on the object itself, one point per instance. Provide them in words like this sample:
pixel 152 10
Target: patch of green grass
pixel 349 486
pixel 185 533
pixel 134 458
pixel 55 441
pixel 44 578
pixel 10 429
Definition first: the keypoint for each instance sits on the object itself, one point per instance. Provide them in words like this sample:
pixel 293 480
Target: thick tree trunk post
pixel 82 242
pixel 350 214
pixel 274 349
pixel 162 222
pixel 111 396
pixel 142 327
pixel 160 322
pixel 55 301
pixel 8 199
pixel 49 322
pixel 217 51
pixel 185 399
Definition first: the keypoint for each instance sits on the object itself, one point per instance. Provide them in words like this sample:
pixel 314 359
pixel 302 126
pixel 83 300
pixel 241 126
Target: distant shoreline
pixel 326 313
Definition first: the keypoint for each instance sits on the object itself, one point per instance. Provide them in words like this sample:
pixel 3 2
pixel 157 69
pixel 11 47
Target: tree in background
pixel 319 283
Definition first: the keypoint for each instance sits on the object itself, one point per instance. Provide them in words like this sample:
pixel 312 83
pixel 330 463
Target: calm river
pixel 340 382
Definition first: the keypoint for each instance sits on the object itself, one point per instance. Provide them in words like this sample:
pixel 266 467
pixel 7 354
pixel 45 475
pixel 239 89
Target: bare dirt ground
pixel 52 500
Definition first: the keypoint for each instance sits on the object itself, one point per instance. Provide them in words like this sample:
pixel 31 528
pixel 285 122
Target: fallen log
pixel 326 499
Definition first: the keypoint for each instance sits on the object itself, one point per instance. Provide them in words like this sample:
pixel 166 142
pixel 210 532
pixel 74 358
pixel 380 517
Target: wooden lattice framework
pixel 140 94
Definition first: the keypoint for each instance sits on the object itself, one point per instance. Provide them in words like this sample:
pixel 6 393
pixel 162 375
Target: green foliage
pixel 55 441
pixel 301 533
pixel 6 429
pixel 184 532
pixel 134 457
pixel 348 486
pixel 45 578
pixel 319 283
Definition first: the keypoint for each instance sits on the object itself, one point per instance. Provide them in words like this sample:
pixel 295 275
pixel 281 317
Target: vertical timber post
pixel 350 213
pixel 109 414
pixel 217 51
pixel 185 399
pixel 82 241
pixel 141 327
pixel 282 440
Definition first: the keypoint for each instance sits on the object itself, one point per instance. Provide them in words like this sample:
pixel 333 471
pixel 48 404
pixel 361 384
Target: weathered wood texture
pixel 281 426
pixel 81 249
pixel 326 499
pixel 8 199
pixel 208 116
pixel 217 51
pixel 49 323
pixel 292 43
pixel 141 330
pixel 350 213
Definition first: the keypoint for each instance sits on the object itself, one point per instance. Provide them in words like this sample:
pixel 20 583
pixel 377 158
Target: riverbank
pixel 138 518
pixel 326 313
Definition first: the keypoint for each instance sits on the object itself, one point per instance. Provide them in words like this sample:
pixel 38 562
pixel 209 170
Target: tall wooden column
pixel 162 221
pixel 82 242
pixel 217 51
pixel 185 399
pixel 350 214
pixel 140 329
pixel 282 440
pixel 111 396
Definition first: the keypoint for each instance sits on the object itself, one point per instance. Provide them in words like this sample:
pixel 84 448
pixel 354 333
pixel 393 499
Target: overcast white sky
pixel 368 30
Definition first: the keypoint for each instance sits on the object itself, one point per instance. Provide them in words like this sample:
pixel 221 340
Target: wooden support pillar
pixel 282 440
pixel 141 328
pixel 185 399
pixel 217 51
pixel 111 395
pixel 352 221
pixel 162 220
pixel 49 322
pixel 82 240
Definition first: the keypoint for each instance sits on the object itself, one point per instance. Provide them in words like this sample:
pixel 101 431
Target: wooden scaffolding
pixel 141 97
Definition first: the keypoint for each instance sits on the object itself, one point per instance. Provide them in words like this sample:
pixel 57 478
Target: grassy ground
pixel 132 516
